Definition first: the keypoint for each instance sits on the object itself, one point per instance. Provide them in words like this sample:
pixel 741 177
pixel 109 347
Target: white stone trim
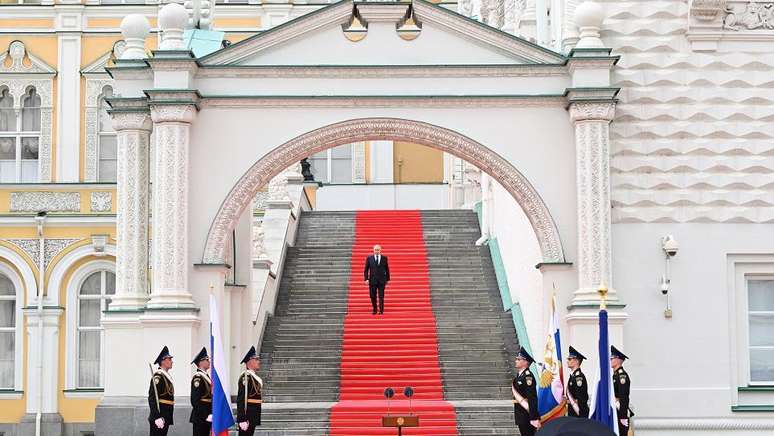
pixel 384 101
pixel 56 277
pixel 363 129
pixel 48 201
pixel 18 283
pixel 71 342
pixel 91 124
pixel 705 424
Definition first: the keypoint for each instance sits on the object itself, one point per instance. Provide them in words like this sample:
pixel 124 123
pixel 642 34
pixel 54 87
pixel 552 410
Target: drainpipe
pixel 486 197
pixel 40 220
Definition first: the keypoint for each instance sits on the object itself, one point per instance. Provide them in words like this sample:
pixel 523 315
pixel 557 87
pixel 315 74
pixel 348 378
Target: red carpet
pixel 397 349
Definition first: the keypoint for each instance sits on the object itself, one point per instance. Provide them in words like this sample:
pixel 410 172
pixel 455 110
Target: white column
pixel 569 28
pixel 171 127
pixel 50 365
pixel 68 108
pixel 133 136
pixel 381 161
pixel 358 162
pixel 592 147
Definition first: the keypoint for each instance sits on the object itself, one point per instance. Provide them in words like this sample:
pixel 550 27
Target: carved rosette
pixel 592 146
pixel 352 131
pixel 171 130
pixel 133 139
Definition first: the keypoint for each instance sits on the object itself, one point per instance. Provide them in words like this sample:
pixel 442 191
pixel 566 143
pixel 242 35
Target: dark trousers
pixel 522 421
pixel 623 430
pixel 372 288
pixel 202 428
pixel 155 431
pixel 249 432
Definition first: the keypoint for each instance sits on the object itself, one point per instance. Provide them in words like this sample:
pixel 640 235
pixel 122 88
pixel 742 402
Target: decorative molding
pixel 173 113
pixel 358 162
pixel 51 248
pixel 94 89
pixel 101 201
pixel 592 111
pixel 707 10
pixel 48 201
pixel 754 15
pixel 385 101
pixel 18 60
pixel 132 121
pixel 363 129
pixel 705 424
pixel 16 85
pixel 260 200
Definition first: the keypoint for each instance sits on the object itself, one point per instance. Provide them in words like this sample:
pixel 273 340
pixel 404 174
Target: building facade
pixel 690 148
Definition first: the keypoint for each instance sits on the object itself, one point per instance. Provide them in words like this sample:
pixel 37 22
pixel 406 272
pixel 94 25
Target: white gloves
pixel 159 422
pixel 209 418
pixel 535 423
pixel 244 425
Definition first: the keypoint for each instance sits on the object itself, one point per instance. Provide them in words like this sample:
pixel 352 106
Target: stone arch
pixel 395 129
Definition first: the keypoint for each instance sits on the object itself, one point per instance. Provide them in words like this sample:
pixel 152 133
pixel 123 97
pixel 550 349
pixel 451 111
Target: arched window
pixel 19 138
pixel 7 332
pixel 93 298
pixel 107 148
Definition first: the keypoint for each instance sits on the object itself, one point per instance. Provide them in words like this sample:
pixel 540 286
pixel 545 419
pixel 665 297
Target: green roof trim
pixel 753 408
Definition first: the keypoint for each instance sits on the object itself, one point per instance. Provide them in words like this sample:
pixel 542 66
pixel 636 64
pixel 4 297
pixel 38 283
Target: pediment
pixel 17 60
pixel 106 60
pixel 318 38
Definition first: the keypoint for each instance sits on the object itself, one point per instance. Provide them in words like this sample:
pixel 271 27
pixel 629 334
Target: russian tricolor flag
pixel 222 419
pixel 603 401
pixel 551 402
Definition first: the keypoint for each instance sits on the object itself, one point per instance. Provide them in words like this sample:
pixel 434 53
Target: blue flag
pixel 551 402
pixel 603 401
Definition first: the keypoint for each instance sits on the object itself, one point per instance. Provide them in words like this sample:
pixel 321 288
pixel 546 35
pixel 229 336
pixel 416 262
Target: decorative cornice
pixel 385 101
pixel 347 132
pixel 22 61
pixel 173 113
pixel 132 121
pixel 706 424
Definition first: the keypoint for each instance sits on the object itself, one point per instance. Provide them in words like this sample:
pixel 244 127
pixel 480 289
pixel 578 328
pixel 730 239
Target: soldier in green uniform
pixel 201 395
pixel 577 387
pixel 249 395
pixel 161 395
pixel 525 401
pixel 621 386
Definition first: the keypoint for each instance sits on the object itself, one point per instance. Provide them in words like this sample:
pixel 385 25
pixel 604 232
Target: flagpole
pixel 603 297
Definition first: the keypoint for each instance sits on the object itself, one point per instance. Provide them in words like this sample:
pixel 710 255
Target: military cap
pixel 524 355
pixel 615 352
pixel 163 355
pixel 201 356
pixel 251 354
pixel 575 354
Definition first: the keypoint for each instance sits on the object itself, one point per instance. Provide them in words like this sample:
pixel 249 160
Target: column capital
pixel 132 121
pixel 179 113
pixel 592 111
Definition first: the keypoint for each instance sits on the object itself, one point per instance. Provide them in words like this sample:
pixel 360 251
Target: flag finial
pixel 603 296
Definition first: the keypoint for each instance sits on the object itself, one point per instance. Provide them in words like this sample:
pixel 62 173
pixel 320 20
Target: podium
pixel 400 422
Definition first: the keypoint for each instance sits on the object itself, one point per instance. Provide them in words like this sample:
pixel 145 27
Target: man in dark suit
pixel 577 386
pixel 161 396
pixel 201 396
pixel 621 387
pixel 249 398
pixel 377 274
pixel 525 401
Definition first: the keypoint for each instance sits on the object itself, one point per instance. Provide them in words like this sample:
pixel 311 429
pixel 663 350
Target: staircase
pixel 302 347
pixel 476 339
pixel 301 350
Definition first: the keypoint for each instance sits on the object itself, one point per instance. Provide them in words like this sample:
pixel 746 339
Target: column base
pixel 583 329
pixel 51 424
pixel 589 298
pixel 124 304
pixel 128 416
pixel 172 300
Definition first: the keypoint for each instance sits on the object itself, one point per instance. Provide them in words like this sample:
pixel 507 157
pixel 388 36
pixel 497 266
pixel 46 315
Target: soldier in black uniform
pixel 577 387
pixel 525 401
pixel 201 395
pixel 621 386
pixel 249 395
pixel 161 396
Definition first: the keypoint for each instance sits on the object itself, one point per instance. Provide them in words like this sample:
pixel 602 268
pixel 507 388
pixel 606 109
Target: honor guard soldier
pixel 161 395
pixel 577 387
pixel 201 395
pixel 621 386
pixel 249 395
pixel 524 388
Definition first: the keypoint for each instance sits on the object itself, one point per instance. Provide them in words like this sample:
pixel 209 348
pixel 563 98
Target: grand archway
pixel 362 129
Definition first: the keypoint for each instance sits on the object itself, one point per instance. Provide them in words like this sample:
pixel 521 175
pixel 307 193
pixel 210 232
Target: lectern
pixel 400 422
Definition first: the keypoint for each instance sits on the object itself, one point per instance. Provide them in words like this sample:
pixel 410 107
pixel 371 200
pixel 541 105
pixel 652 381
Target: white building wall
pixel 388 196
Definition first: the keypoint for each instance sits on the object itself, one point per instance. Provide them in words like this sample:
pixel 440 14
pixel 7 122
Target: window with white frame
pixel 333 165
pixel 93 298
pixel 107 145
pixel 19 137
pixel 760 312
pixel 7 332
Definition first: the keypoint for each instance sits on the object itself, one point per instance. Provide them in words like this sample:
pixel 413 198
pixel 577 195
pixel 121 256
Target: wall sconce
pixel 670 248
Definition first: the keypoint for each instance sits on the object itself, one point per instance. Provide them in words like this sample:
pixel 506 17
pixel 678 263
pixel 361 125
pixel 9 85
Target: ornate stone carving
pixel 595 111
pixel 133 139
pixel 94 89
pixel 278 188
pixel 101 201
pixel 752 16
pixel 259 248
pixel 51 247
pixel 49 201
pixel 348 132
pixel 707 10
pixel 358 162
pixel 21 61
pixel 170 206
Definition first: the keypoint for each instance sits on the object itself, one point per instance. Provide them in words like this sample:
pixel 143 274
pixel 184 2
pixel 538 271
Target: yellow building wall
pixel 414 163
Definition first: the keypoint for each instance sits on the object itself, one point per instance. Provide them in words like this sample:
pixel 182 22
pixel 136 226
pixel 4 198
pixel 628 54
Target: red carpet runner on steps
pixel 397 349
